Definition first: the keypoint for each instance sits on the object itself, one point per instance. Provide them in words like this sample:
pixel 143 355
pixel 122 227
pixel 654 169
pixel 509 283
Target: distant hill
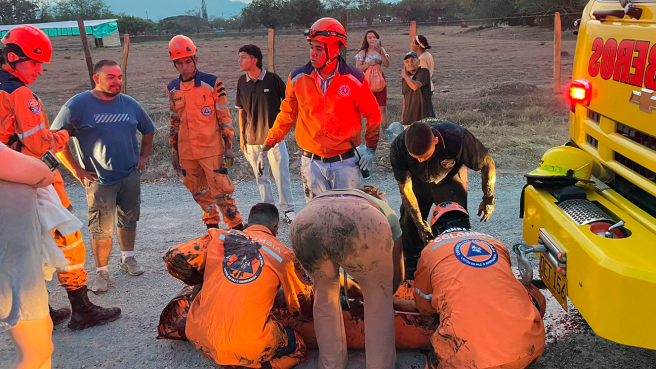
pixel 159 9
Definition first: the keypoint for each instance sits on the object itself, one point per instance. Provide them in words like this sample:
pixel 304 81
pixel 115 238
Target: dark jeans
pixel 452 189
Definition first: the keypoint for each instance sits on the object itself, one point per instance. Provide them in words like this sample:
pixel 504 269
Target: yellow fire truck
pixel 589 209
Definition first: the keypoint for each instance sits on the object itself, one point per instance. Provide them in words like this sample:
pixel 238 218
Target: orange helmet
pixel 181 47
pixel 33 41
pixel 327 30
pixel 444 208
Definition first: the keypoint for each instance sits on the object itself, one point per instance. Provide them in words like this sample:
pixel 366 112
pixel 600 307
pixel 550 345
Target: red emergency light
pixel 580 92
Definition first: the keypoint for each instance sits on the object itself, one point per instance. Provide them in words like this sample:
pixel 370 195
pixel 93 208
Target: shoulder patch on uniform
pixel 34 106
pixel 476 253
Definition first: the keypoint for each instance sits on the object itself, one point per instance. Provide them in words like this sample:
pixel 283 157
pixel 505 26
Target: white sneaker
pixel 289 216
pixel 100 283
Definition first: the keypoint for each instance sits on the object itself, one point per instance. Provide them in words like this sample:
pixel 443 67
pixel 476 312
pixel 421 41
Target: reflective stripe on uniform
pixel 276 256
pixel 31 131
pixel 203 83
pixel 221 106
pixel 174 114
pixel 207 209
pixel 73 245
pixel 71 267
pixel 226 125
pixel 220 197
pixel 201 192
pixel 427 297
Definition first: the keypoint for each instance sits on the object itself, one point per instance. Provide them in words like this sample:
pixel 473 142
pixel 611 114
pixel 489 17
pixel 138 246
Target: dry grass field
pixel 496 82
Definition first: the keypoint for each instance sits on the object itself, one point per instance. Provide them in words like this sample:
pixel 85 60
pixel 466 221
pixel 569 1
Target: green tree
pixel 85 9
pixel 267 13
pixel 134 25
pixel 18 11
pixel 305 12
pixel 412 10
pixel 370 9
pixel 549 6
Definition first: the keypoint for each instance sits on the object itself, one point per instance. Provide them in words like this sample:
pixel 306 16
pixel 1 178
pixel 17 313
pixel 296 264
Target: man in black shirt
pixel 416 89
pixel 259 94
pixel 430 161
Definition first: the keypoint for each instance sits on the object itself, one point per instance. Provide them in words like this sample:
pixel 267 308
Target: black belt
pixel 347 155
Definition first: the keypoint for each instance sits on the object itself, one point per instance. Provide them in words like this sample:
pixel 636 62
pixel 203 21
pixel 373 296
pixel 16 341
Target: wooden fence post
pixel 557 52
pixel 87 52
pixel 413 33
pixel 124 63
pixel 272 50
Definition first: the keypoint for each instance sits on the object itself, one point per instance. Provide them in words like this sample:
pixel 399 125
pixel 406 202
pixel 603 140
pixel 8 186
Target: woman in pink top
pixel 372 53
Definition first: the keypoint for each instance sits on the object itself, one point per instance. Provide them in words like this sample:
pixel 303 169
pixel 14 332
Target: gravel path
pixel 169 216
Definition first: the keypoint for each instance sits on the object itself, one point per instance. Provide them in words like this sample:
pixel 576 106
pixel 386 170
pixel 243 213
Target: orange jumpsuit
pixel 24 122
pixel 487 318
pixel 230 319
pixel 200 127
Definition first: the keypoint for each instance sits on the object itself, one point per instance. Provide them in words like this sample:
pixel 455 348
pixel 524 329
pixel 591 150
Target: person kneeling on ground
pixel 230 319
pixel 360 233
pixel 487 318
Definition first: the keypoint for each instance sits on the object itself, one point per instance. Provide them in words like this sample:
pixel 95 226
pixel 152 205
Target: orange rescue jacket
pixel 487 317
pixel 24 124
pixel 230 319
pixel 199 116
pixel 327 123
pixel 23 119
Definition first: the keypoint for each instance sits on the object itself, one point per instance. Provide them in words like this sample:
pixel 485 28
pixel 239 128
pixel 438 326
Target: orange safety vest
pixel 487 318
pixel 199 116
pixel 327 123
pixel 230 319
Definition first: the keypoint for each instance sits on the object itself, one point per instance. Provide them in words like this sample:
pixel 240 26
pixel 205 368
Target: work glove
pixel 261 162
pixel 367 158
pixel 425 231
pixel 486 208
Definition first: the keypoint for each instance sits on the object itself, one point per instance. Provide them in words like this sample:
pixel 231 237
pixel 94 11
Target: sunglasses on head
pixel 314 33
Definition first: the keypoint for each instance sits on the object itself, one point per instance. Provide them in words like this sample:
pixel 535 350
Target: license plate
pixel 555 280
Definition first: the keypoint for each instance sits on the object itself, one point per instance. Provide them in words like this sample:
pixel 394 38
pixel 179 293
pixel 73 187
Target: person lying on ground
pixel 230 319
pixel 488 319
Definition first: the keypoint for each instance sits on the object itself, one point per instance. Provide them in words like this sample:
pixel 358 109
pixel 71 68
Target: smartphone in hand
pixel 377 42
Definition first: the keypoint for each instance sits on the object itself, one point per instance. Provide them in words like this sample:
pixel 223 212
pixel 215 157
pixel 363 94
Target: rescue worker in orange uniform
pixel 24 127
pixel 201 135
pixel 327 97
pixel 488 319
pixel 230 320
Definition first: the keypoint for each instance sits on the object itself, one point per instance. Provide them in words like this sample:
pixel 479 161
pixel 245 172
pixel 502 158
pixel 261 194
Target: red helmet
pixel 181 47
pixel 33 41
pixel 444 208
pixel 327 30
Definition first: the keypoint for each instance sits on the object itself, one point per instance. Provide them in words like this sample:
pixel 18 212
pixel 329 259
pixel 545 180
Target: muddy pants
pixel 453 189
pixel 348 231
pixel 207 180
pixel 73 276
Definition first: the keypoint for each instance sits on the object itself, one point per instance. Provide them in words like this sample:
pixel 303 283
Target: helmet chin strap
pixel 328 61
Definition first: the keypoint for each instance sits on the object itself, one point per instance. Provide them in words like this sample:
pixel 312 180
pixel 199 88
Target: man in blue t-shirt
pixel 105 123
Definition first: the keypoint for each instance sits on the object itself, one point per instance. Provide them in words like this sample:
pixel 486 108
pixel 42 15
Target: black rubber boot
pixel 86 314
pixel 59 316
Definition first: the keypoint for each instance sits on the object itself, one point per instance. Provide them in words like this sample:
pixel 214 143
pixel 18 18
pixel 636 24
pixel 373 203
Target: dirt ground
pixel 496 82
